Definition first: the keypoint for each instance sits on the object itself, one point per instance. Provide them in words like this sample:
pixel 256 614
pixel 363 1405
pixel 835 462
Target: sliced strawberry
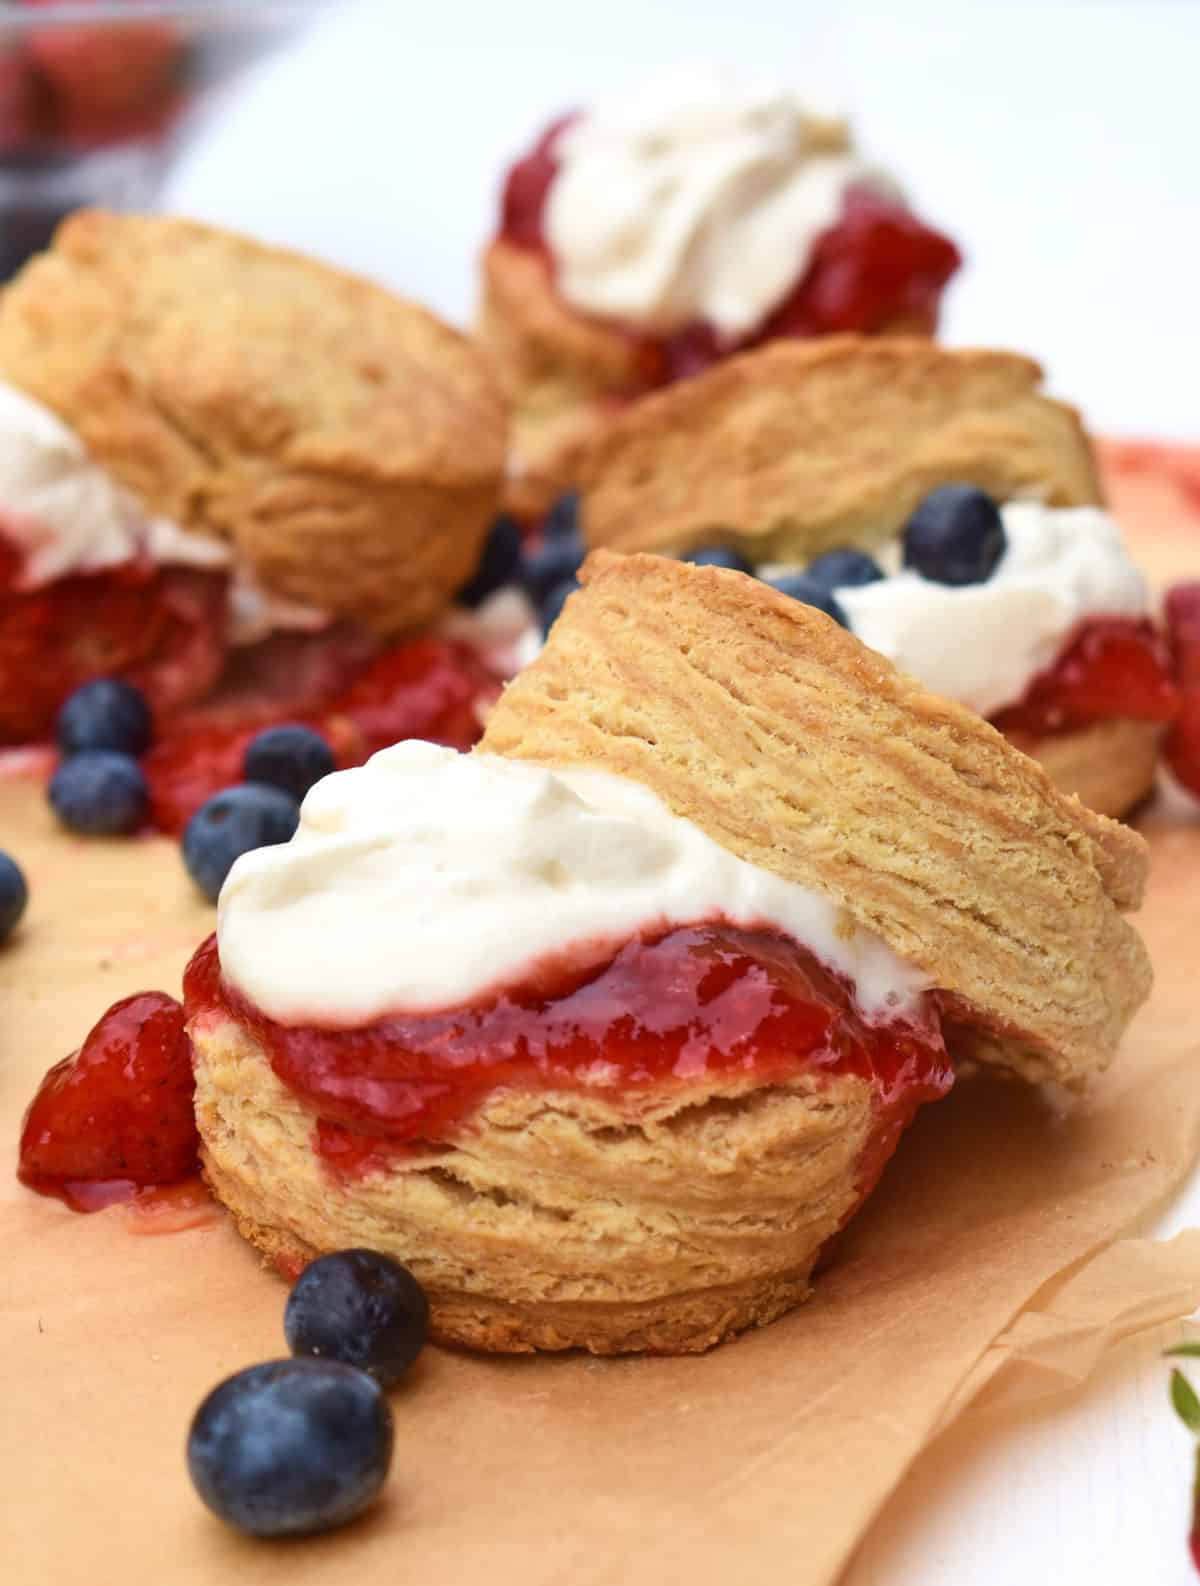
pixel 1182 612
pixel 118 1112
pixel 1114 668
pixel 428 688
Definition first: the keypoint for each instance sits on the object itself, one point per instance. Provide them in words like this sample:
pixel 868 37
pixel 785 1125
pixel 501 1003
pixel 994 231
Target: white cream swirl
pixel 426 877
pixel 983 644
pixel 700 198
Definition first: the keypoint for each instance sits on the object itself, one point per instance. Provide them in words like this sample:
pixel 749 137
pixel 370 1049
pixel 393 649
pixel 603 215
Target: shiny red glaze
pixel 161 628
pixel 1182 613
pixel 672 1009
pixel 115 1116
pixel 878 267
pixel 1182 746
pixel 427 688
pixel 1112 668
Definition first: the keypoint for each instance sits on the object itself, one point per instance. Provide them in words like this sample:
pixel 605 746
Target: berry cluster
pixel 297 1446
pixel 100 788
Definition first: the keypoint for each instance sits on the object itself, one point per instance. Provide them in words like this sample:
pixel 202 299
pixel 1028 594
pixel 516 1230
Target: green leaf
pixel 1185 1402
pixel 1191 1348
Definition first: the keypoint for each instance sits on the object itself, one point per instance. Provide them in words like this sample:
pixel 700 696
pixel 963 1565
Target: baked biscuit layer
pixel 800 750
pixel 558 1220
pixel 345 442
pixel 798 447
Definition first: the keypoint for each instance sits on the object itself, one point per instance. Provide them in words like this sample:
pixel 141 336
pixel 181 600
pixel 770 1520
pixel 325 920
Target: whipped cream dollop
pixel 66 513
pixel 983 644
pixel 426 878
pixel 700 198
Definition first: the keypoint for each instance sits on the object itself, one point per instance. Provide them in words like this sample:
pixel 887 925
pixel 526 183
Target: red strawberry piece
pixel 1114 668
pixel 1182 748
pixel 1182 611
pixel 117 1114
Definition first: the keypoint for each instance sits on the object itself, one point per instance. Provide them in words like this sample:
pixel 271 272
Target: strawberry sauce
pixel 161 628
pixel 114 1120
pixel 1112 669
pixel 664 1010
pixel 876 267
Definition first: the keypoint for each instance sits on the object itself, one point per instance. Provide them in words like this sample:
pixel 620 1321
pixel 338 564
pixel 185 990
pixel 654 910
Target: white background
pixel 1061 145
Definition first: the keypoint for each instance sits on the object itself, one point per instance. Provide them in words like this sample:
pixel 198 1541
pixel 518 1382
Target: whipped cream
pixel 426 878
pixel 701 198
pixel 983 644
pixel 66 513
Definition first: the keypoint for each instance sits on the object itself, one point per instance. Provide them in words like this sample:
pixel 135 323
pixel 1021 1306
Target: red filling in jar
pixel 668 1009
pixel 877 268
pixel 1113 668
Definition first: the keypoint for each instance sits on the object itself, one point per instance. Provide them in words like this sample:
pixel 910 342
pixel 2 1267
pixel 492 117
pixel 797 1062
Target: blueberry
pixel 956 536
pixel 361 1308
pixel 499 563
pixel 720 556
pixel 291 1447
pixel 288 757
pixel 105 714
pixel 100 793
pixel 844 569
pixel 554 564
pixel 230 824
pixel 554 602
pixel 801 587
pixel 562 520
pixel 14 894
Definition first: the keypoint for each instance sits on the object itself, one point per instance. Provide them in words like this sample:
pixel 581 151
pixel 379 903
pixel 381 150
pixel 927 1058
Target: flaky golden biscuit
pixel 348 445
pixel 794 746
pixel 799 447
pixel 669 1217
pixel 565 374
pixel 558 1220
pixel 1110 766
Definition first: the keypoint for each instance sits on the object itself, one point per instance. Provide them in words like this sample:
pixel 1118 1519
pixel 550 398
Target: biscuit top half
pixel 347 444
pixel 800 750
pixel 801 446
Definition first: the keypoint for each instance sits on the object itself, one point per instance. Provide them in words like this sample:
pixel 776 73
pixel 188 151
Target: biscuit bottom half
pixel 561 1220
pixel 1109 766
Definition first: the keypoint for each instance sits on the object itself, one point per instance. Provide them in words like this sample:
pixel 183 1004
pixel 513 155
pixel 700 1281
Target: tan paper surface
pixel 992 1262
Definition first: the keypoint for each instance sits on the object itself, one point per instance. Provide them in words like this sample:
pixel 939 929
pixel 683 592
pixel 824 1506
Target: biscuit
pixel 565 375
pixel 558 1220
pixel 348 445
pixel 794 746
pixel 667 1218
pixel 798 447
pixel 1109 766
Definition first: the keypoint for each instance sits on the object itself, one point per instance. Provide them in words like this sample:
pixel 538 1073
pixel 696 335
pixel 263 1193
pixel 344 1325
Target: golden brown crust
pixel 561 372
pixel 348 444
pixel 797 447
pixel 1110 767
pixel 565 375
pixel 558 1220
pixel 800 750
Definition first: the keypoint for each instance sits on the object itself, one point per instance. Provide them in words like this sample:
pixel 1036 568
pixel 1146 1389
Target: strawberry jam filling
pixel 161 628
pixel 1112 669
pixel 698 1003
pixel 428 688
pixel 114 1121
pixel 877 268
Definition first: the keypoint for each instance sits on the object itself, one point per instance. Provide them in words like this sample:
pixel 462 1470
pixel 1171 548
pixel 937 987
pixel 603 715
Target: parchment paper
pixel 994 1262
